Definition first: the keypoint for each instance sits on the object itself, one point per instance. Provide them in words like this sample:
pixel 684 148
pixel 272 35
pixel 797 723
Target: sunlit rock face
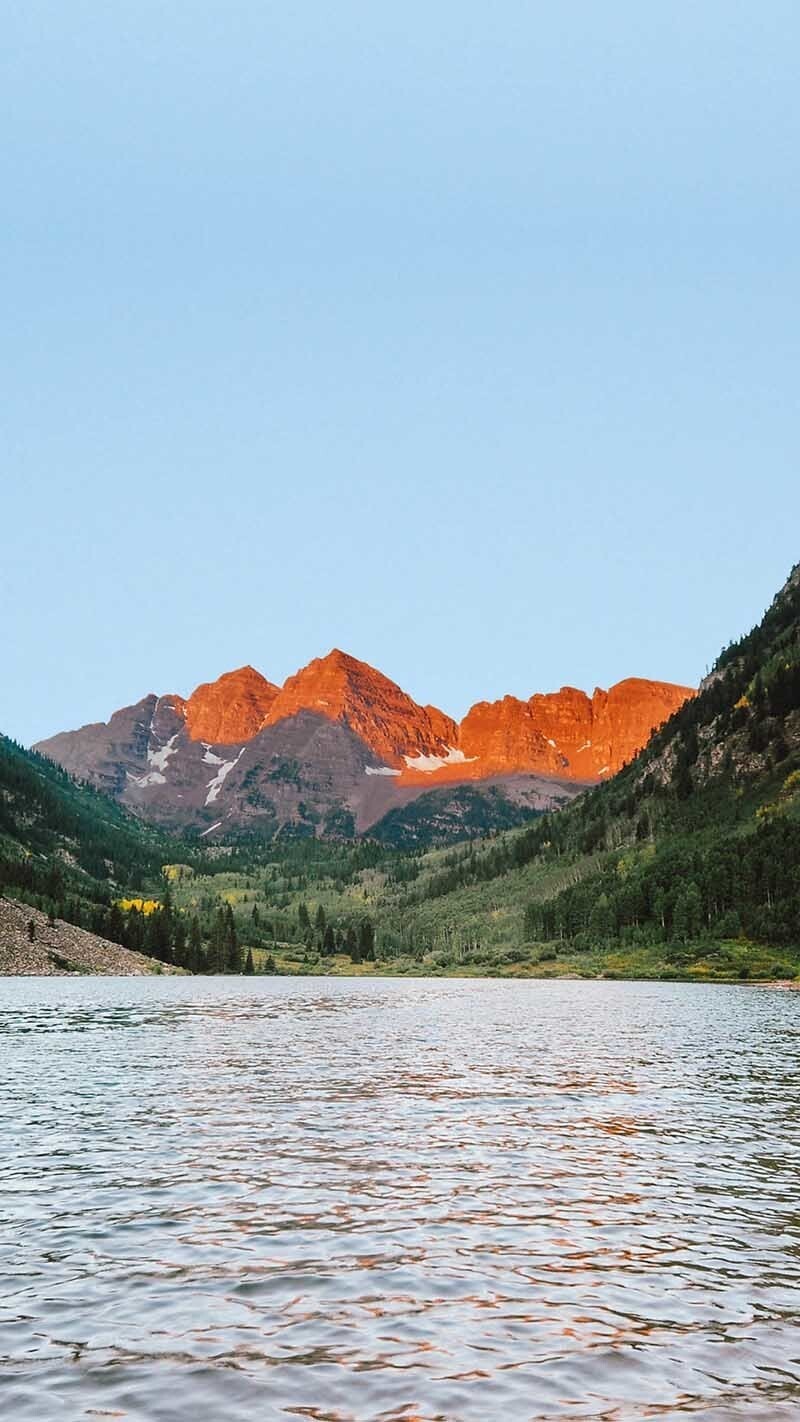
pixel 625 717
pixel 231 709
pixel 568 733
pixel 340 745
pixel 386 719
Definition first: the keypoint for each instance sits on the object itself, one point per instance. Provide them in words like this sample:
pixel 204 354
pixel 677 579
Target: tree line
pixel 741 885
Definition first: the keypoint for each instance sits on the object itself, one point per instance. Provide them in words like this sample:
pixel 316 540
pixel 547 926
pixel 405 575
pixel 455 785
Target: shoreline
pixel 166 971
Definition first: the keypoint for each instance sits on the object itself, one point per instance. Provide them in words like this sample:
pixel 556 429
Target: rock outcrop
pixel 231 709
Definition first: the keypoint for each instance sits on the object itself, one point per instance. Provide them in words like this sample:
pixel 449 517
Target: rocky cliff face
pixel 567 733
pixel 129 746
pixel 375 708
pixel 231 709
pixel 340 745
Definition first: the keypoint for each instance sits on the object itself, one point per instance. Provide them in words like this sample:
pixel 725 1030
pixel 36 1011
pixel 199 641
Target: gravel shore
pixel 61 950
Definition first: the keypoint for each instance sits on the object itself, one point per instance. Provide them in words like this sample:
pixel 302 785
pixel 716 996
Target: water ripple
pixel 397 1201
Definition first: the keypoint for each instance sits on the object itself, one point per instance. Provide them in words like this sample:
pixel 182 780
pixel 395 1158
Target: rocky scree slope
pixel 58 949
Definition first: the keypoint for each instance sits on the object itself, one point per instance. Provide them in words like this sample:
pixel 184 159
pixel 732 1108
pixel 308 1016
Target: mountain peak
pixel 341 688
pixel 343 662
pixel 230 709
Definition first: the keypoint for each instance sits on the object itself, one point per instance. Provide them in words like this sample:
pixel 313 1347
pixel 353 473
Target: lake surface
pixel 468 1201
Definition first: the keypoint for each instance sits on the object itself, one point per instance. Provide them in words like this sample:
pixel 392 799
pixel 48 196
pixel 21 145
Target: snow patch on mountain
pixel 158 758
pixel 214 786
pixel 429 763
pixel 153 777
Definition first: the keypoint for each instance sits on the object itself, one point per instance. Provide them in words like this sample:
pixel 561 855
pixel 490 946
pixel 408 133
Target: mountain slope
pixel 467 811
pixel 94 881
pixel 44 811
pixel 696 842
pixel 567 732
pixel 231 709
pixel 67 845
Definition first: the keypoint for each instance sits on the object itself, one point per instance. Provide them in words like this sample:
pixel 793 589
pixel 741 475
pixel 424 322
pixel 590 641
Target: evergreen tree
pixel 366 940
pixel 180 951
pixel 217 943
pixel 158 935
pixel 196 954
pixel 115 925
pixel 134 931
pixel 530 923
pixel 233 958
pixel 601 923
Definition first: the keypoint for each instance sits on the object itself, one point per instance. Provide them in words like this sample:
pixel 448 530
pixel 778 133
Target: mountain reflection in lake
pixel 471 1201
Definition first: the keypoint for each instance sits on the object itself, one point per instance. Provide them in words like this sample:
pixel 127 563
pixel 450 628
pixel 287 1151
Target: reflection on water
pixel 446 1201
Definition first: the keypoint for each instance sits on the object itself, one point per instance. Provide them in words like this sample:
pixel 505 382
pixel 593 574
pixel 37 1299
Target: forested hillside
pixel 702 833
pixel 696 842
pixel 67 848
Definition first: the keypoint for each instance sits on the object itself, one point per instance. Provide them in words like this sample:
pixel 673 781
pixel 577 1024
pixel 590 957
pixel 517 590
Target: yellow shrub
pixel 177 871
pixel 144 906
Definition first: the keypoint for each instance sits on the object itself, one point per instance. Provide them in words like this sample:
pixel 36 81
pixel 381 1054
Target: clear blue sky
pixel 463 337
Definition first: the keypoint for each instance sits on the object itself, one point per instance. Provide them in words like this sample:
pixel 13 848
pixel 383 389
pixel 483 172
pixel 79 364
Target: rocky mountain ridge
pixel 340 745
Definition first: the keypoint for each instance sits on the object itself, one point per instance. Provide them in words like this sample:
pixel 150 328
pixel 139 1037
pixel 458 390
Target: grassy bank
pixel 727 961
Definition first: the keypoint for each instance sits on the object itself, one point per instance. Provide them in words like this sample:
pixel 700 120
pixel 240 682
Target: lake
pixel 348 1200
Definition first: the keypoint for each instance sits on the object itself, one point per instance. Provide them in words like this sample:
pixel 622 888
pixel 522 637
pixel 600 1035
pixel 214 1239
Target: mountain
pixel 385 718
pixel 686 863
pixel 229 710
pixel 340 746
